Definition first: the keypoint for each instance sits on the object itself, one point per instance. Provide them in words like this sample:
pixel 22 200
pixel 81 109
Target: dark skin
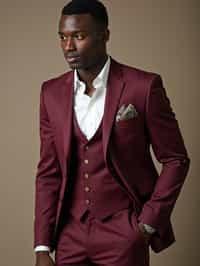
pixel 83 42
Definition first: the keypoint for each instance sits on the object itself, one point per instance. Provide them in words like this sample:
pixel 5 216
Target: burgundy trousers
pixel 115 241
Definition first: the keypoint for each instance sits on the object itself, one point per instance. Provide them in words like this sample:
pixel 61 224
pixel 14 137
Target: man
pixel 99 198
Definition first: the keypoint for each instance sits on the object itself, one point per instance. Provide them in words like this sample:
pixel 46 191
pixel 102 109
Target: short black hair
pixel 93 7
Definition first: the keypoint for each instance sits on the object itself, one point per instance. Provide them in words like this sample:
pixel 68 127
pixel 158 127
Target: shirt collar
pixel 99 82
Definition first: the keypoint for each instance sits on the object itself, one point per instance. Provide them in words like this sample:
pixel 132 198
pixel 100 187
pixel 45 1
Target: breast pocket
pixel 128 126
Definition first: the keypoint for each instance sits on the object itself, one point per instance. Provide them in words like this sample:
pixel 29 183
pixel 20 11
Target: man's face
pixel 81 40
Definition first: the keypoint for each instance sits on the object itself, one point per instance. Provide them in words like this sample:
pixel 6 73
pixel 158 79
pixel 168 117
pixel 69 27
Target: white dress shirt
pixel 89 110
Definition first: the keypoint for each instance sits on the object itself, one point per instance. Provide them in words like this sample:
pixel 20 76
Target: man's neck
pixel 88 75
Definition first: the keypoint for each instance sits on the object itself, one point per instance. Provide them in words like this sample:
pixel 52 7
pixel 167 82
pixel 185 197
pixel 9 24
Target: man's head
pixel 83 31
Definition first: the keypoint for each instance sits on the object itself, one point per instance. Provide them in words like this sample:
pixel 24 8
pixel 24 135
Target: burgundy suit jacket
pixel 126 143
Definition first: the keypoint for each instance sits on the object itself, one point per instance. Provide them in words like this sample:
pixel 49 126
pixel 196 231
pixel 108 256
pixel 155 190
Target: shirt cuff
pixel 41 248
pixel 149 229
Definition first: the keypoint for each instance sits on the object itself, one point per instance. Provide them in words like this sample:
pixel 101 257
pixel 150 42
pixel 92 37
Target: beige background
pixel 161 36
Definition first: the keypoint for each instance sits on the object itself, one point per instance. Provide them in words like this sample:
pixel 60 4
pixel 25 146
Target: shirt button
pixel 86 147
pixel 86 176
pixel 86 161
pixel 87 201
pixel 87 189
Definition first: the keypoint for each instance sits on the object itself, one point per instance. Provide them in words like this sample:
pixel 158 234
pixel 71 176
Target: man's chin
pixel 75 66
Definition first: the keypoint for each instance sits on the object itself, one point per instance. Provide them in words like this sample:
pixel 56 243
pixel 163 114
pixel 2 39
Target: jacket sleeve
pixel 48 180
pixel 168 146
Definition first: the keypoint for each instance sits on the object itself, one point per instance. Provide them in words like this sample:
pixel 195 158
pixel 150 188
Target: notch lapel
pixel 113 94
pixel 67 103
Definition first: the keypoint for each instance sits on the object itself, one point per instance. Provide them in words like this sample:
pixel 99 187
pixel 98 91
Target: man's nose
pixel 69 44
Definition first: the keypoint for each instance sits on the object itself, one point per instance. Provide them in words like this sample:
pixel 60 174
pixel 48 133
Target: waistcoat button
pixel 87 201
pixel 87 189
pixel 86 175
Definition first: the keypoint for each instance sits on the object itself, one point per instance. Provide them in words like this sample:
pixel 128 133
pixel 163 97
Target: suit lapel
pixel 114 91
pixel 67 105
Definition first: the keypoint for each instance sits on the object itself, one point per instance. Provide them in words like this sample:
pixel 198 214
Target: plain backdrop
pixel 159 36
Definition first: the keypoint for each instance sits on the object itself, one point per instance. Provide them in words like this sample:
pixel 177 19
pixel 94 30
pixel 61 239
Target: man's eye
pixel 79 36
pixel 63 38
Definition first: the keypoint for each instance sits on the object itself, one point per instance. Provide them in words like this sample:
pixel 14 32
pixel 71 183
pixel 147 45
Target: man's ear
pixel 106 35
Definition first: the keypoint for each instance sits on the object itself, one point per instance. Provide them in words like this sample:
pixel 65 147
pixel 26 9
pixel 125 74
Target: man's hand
pixel 146 235
pixel 44 259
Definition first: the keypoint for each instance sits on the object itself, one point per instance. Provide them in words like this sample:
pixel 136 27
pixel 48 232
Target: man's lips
pixel 72 58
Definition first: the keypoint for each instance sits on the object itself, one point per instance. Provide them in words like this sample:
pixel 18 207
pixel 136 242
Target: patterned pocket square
pixel 126 112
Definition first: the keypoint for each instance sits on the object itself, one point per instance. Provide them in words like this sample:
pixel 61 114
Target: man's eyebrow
pixel 76 31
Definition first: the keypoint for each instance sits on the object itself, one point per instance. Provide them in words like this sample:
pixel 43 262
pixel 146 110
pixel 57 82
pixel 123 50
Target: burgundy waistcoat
pixel 91 187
